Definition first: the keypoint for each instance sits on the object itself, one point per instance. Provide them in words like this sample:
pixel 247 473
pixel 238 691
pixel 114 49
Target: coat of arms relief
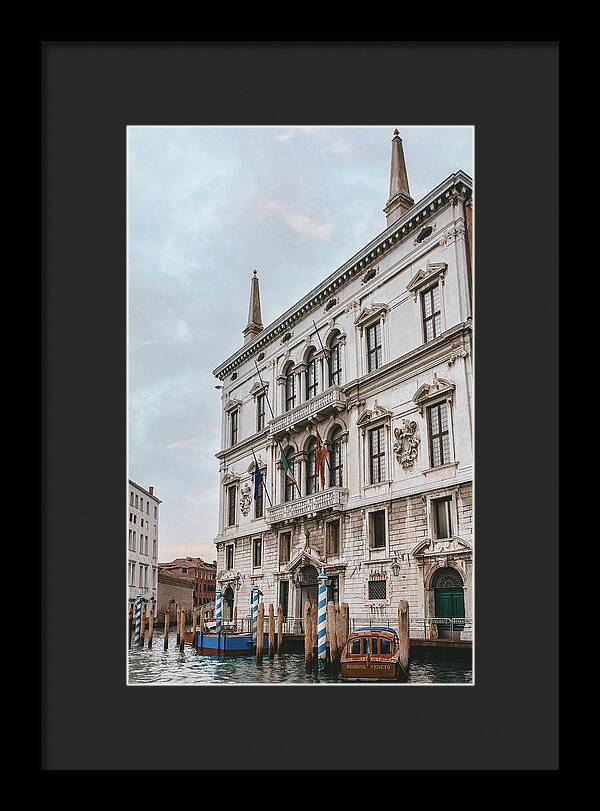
pixel 406 446
pixel 245 499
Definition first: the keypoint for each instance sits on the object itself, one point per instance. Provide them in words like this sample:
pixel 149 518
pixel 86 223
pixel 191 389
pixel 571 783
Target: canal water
pixel 157 666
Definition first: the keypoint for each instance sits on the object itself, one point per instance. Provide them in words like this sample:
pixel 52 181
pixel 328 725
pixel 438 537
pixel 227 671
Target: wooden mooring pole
pixel 182 631
pixel 151 627
pixel 194 615
pixel 143 626
pixel 260 631
pixel 202 620
pixel 279 628
pixel 330 632
pixel 235 618
pixel 178 624
pixel 271 631
pixel 404 634
pixel 130 622
pixel 308 646
pixel 166 631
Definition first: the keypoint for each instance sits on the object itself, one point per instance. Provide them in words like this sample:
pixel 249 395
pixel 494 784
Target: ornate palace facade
pixel 387 384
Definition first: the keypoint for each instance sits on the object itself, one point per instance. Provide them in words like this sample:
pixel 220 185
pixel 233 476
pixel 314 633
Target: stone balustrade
pixel 332 399
pixel 333 498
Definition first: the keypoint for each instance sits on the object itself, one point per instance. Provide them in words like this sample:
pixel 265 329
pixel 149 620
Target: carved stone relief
pixel 406 446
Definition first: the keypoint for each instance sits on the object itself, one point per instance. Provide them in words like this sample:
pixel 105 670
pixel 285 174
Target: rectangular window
pixel 335 364
pixel 290 390
pixel 141 581
pixel 284 592
pixel 131 498
pixel 259 500
pixel 432 312
pixel 377 589
pixel 333 538
pixel 377 455
pixel 439 434
pixel 377 529
pixel 355 647
pixel 333 589
pixel 136 501
pixel 257 553
pixel 147 508
pixel 132 581
pixel 156 512
pixel 374 353
pixel 285 544
pixel 231 503
pixel 134 547
pixel 233 428
pixel 260 412
pixel 229 557
pixel 385 647
pixel 442 518
pixel 154 548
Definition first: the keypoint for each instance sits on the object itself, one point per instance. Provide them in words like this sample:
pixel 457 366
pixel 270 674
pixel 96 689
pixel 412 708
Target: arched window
pixel 335 361
pixel 311 467
pixel 289 491
pixel 290 388
pixel 336 468
pixel 311 374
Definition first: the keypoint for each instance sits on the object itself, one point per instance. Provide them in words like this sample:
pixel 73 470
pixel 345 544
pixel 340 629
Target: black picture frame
pixel 89 93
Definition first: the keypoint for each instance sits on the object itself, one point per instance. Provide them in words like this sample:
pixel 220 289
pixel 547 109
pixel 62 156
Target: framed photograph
pixel 297 303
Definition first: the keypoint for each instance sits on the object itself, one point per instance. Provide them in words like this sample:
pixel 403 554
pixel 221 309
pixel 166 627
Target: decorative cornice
pixel 458 185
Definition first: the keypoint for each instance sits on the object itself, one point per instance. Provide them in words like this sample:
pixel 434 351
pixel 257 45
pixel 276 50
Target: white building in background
pixel 142 550
pixel 385 378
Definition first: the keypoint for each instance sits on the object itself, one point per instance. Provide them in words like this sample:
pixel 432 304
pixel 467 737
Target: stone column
pixel 300 383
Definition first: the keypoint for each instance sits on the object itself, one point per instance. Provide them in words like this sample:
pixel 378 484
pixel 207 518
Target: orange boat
pixel 372 654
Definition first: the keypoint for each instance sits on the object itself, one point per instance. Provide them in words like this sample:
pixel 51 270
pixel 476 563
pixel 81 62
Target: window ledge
pixel 385 482
pixel 447 466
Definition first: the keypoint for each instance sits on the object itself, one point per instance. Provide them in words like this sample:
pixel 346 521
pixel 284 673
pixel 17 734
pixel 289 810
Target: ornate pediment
pixel 372 414
pixel 429 391
pixel 230 478
pixel 370 313
pixel 232 404
pixel 429 547
pixel 307 556
pixel 259 388
pixel 431 272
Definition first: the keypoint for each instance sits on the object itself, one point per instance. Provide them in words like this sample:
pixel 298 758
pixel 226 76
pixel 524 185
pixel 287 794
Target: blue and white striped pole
pixel 254 600
pixel 218 610
pixel 137 620
pixel 322 618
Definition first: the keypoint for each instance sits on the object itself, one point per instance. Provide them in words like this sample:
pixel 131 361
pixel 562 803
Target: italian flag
pixel 286 467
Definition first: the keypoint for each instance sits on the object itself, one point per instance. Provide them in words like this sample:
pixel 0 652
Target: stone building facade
pixel 173 592
pixel 202 574
pixel 375 364
pixel 142 543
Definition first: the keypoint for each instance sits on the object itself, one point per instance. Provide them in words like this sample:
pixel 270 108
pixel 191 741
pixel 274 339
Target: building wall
pixel 148 511
pixel 173 594
pixel 414 374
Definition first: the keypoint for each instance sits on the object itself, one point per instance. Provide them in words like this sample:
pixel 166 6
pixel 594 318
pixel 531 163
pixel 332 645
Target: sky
pixel 207 206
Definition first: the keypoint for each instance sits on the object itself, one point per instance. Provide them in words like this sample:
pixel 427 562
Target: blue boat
pixel 227 643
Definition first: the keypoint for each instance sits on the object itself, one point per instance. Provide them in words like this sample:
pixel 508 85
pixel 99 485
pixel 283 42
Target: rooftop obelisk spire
pixel 255 324
pixel 400 200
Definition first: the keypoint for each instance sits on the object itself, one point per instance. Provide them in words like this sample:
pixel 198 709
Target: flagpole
pixel 265 491
pixel 273 417
pixel 324 352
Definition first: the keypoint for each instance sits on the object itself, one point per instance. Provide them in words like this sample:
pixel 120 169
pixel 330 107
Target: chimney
pixel 151 490
pixel 399 201
pixel 255 324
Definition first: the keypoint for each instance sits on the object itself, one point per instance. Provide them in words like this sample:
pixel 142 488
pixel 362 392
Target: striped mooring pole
pixel 218 610
pixel 137 620
pixel 254 594
pixel 322 618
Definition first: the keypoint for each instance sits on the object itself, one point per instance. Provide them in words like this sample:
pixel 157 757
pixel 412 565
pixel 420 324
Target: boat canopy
pixel 377 628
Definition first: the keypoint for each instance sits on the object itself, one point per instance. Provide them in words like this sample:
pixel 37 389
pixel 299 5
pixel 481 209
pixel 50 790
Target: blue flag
pixel 258 479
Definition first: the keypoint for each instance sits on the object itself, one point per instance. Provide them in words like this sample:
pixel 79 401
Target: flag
pixel 320 457
pixel 286 467
pixel 258 480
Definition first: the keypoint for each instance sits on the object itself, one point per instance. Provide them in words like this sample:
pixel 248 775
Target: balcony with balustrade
pixel 329 401
pixel 334 498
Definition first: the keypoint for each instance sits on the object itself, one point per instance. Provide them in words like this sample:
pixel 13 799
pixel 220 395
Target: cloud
pixel 293 131
pixel 298 221
pixel 184 444
pixel 152 342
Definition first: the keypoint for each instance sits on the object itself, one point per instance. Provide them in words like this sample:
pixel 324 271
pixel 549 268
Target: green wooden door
pixel 450 603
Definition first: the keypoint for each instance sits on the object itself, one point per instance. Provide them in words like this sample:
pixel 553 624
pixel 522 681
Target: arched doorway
pixel 228 600
pixel 448 588
pixel 306 579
